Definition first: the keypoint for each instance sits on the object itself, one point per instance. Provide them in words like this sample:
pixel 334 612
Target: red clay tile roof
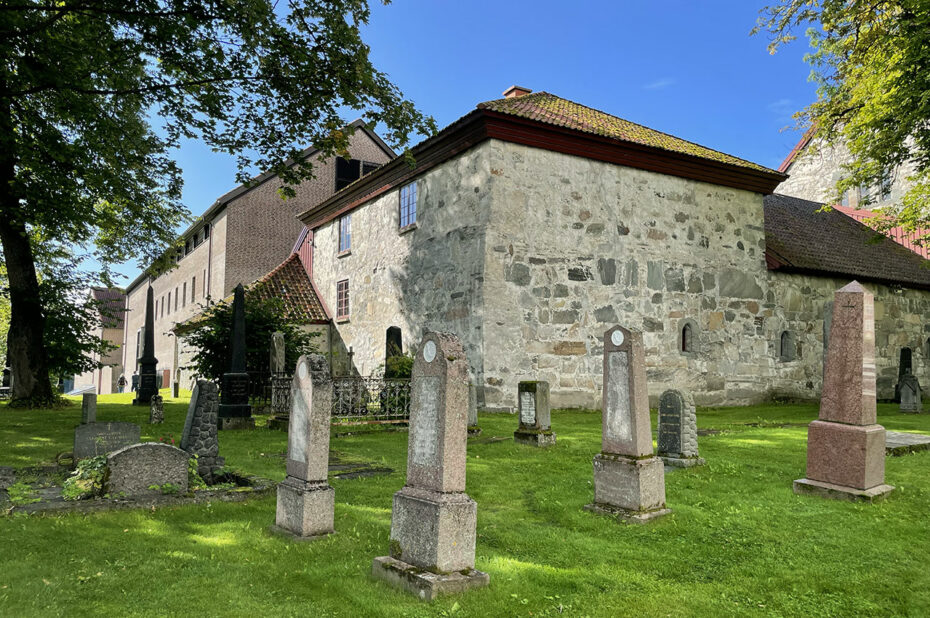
pixel 550 109
pixel 290 282
pixel 801 239
pixel 112 307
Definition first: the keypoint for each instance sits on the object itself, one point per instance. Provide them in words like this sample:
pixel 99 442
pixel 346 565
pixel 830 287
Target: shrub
pixel 87 479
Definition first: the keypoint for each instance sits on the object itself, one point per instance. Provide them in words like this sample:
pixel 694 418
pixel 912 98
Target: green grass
pixel 739 542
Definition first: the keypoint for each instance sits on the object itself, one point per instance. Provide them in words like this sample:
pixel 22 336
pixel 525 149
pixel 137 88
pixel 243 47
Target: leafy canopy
pixel 871 63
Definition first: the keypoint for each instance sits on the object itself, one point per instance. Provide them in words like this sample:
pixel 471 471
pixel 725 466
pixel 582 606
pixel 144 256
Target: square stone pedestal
pixel 850 456
pixel 534 438
pixel 235 422
pixel 434 531
pixel 426 585
pixel 628 488
pixel 305 509
pixel 807 487
pixel 682 462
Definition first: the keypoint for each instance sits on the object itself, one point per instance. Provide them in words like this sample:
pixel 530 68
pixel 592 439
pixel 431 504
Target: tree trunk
pixel 25 346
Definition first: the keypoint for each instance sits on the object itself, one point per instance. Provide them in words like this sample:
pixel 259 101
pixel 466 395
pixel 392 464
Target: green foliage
pixel 169 489
pixel 210 336
pixel 194 480
pixel 21 493
pixel 87 479
pixel 871 64
pixel 398 366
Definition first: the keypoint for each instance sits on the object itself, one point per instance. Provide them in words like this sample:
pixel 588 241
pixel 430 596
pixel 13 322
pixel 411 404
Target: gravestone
pixel 88 408
pixel 473 429
pixel 95 439
pixel 148 379
pixel 146 469
pixel 199 437
pixel 678 430
pixel 905 367
pixel 433 519
pixel 235 411
pixel 276 361
pixel 845 447
pixel 280 384
pixel 176 386
pixel 629 480
pixel 157 410
pixel 306 502
pixel 533 405
pixel 910 394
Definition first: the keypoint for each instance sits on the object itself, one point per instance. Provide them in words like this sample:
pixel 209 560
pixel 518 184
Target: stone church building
pixel 533 224
pixel 246 235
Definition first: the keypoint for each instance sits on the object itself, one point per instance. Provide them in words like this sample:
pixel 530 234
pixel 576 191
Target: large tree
pixel 871 63
pixel 94 94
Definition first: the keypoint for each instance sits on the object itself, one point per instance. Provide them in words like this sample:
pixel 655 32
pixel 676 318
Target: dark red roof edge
pixel 801 145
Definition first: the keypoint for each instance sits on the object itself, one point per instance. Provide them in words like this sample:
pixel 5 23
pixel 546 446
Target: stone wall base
pixel 534 438
pixel 808 487
pixel 305 509
pixel 425 585
pixel 632 485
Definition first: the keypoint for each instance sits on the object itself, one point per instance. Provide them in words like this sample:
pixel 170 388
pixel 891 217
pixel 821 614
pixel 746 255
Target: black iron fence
pixel 370 400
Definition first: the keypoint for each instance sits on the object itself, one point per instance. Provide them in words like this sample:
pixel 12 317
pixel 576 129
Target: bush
pixel 87 479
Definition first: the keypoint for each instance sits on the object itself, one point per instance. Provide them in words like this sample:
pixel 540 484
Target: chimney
pixel 516 91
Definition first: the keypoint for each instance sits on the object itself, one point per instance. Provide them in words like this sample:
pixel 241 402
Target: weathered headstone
pixel 845 447
pixel 176 385
pixel 433 519
pixel 629 480
pixel 280 385
pixel 157 410
pixel 235 411
pixel 909 389
pixel 277 353
pixel 473 429
pixel 306 501
pixel 88 408
pixel 148 379
pixel 678 444
pixel 905 367
pixel 199 437
pixel 147 468
pixel 95 439
pixel 533 406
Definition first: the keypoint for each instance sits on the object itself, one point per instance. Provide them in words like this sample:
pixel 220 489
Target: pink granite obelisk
pixel 845 447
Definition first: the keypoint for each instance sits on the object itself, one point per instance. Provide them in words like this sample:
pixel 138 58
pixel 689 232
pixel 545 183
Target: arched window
pixel 686 341
pixel 927 347
pixel 687 337
pixel 787 350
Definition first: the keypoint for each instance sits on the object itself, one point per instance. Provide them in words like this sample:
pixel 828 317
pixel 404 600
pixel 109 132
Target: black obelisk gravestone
pixel 147 363
pixel 235 411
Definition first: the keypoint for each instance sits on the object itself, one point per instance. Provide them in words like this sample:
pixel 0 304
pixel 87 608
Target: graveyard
pixel 737 541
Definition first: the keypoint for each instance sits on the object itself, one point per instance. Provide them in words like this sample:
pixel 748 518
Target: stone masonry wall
pixel 429 277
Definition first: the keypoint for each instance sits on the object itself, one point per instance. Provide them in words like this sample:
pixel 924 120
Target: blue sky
pixel 688 68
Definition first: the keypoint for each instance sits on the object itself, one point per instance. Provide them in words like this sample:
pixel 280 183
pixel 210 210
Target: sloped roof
pixel 798 238
pixel 288 282
pixel 550 109
pixel 112 307
pixel 898 234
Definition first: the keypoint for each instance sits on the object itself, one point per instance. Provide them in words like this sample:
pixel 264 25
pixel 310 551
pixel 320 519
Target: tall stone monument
pixel 533 405
pixel 678 444
pixel 845 448
pixel 235 411
pixel 88 408
pixel 629 480
pixel 433 519
pixel 199 437
pixel 148 382
pixel 306 501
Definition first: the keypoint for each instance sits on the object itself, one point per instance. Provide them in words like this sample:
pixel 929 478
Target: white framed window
pixel 345 233
pixel 342 299
pixel 408 204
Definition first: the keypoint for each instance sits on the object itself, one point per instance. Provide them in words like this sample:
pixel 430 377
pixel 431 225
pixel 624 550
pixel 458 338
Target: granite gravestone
pixel 88 408
pixel 433 519
pixel 905 367
pixel 95 439
pixel 280 385
pixel 629 480
pixel 305 507
pixel 146 469
pixel 909 391
pixel 157 410
pixel 473 429
pixel 845 447
pixel 678 430
pixel 235 411
pixel 148 379
pixel 276 362
pixel 199 437
pixel 533 406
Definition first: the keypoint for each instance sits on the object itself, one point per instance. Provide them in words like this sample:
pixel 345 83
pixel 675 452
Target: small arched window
pixel 687 337
pixel 787 351
pixel 927 347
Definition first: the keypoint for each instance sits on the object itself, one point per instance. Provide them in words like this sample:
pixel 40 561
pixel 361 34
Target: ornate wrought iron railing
pixel 370 400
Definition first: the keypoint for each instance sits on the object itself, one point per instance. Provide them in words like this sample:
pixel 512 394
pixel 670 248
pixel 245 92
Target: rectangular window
pixel 342 299
pixel 345 233
pixel 193 288
pixel 204 291
pixel 184 295
pixel 347 172
pixel 156 308
pixel 408 204
pixel 169 303
pixel 175 299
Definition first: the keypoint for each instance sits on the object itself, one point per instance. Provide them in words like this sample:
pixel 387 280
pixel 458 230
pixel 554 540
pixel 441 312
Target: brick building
pixel 532 224
pixel 243 236
pixel 111 312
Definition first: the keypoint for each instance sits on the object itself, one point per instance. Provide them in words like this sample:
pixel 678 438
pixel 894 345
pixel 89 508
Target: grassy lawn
pixel 739 542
